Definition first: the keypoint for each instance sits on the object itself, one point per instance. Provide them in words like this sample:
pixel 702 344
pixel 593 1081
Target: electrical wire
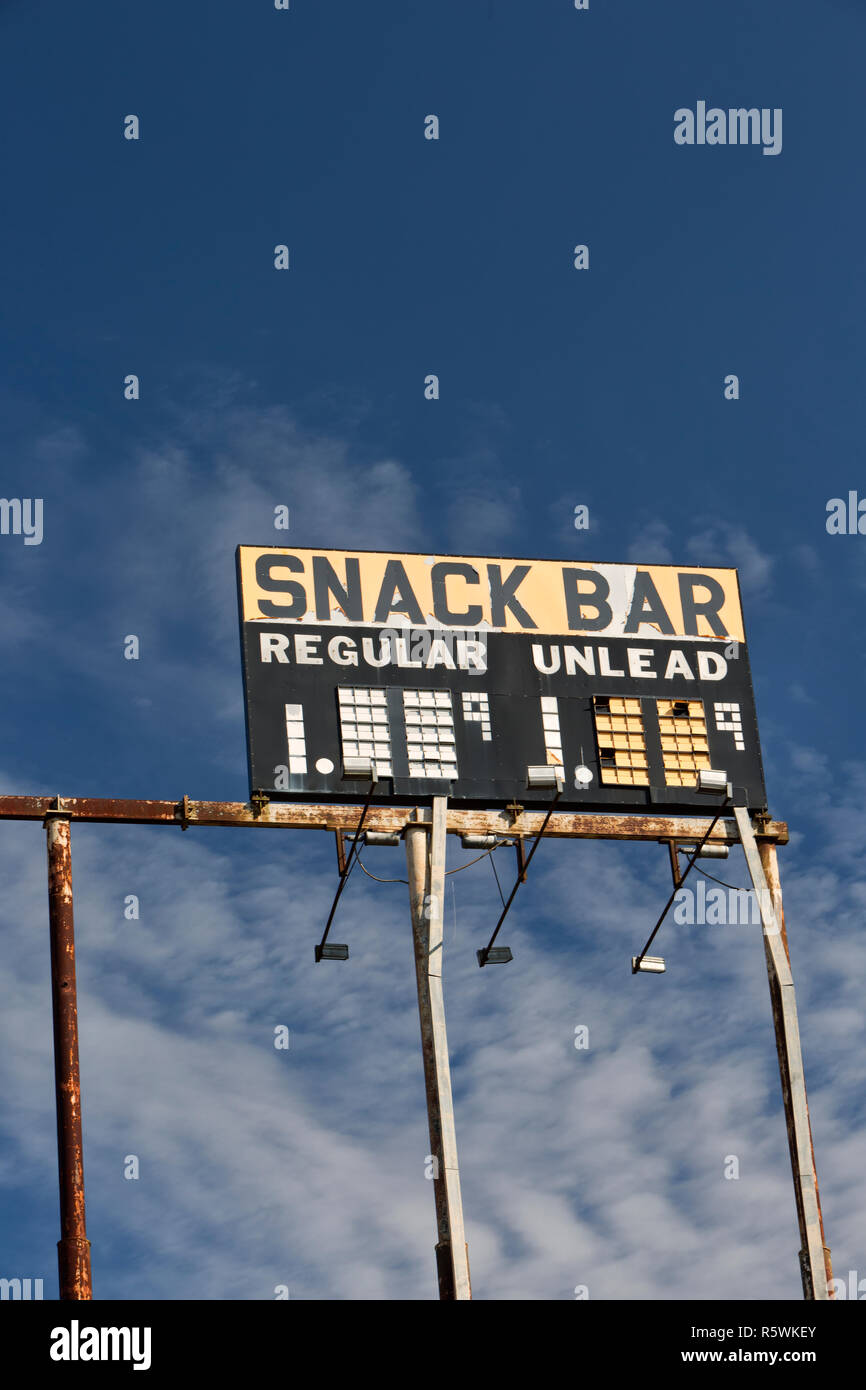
pixel 736 888
pixel 486 855
pixel 376 876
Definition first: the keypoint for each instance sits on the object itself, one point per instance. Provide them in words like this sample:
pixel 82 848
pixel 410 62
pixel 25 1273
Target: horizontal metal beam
pixel 391 819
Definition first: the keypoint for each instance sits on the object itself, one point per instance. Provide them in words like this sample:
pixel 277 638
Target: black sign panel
pixel 467 714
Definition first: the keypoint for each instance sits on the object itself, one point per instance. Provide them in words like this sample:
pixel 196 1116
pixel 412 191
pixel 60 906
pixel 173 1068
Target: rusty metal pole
pixel 73 1248
pixel 425 857
pixel 815 1268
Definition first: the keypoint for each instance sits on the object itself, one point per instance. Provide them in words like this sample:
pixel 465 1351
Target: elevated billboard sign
pixel 455 675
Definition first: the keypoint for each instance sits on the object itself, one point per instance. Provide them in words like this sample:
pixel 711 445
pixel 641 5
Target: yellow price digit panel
pixel 621 737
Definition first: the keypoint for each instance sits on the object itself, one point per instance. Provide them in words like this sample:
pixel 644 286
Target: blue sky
pixel 305 388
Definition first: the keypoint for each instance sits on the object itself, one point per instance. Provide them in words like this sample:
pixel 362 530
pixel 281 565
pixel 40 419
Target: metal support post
pixel 815 1267
pixel 73 1248
pixel 425 857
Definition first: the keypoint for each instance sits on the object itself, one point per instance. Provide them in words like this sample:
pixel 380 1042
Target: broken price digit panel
pixel 454 675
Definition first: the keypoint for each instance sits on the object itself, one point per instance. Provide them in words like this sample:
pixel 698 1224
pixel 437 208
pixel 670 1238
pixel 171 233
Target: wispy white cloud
pixel 652 545
pixel 723 544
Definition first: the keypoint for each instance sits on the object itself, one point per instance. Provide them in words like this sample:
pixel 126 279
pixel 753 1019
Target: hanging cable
pixel 735 887
pixel 461 867
pixel 376 876
pixel 486 855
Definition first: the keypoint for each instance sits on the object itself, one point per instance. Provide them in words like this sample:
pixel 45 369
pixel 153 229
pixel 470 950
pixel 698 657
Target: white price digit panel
pixel 364 728
pixel 430 733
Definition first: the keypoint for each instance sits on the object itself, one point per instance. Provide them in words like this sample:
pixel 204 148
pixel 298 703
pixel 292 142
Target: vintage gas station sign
pixel 456 675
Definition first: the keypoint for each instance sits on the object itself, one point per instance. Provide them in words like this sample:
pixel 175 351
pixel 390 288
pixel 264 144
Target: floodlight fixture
pixel 334 952
pixel 359 767
pixel 713 779
pixel 651 965
pixel 545 775
pixel 494 955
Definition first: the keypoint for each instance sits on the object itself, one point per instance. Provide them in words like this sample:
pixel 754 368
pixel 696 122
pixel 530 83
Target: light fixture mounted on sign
pixel 653 965
pixel 582 776
pixel 359 767
pixel 545 775
pixel 494 955
pixel 713 779
pixel 334 952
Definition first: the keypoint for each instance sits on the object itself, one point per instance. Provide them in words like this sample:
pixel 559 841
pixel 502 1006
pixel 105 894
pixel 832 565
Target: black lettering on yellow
pixel 442 613
pixel 265 580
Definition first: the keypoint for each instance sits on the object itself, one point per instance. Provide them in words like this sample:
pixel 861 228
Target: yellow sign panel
pixel 387 589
